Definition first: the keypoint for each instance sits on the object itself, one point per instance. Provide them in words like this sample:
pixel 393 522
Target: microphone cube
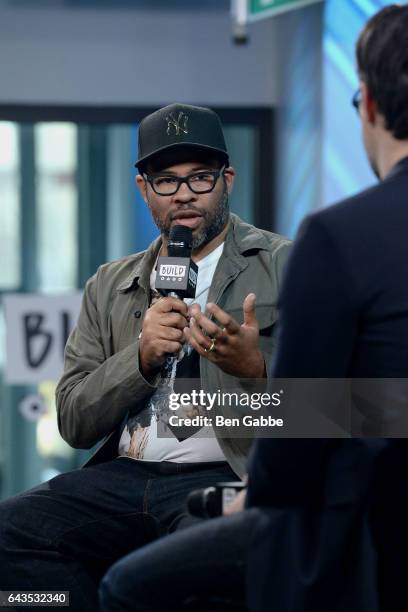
pixel 176 275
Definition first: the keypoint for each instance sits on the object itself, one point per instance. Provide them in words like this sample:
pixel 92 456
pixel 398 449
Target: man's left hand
pixel 238 505
pixel 232 347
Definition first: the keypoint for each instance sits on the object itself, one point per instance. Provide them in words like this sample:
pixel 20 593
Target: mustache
pixel 186 211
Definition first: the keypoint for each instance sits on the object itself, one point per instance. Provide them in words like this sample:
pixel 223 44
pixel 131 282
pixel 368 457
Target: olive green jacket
pixel 102 382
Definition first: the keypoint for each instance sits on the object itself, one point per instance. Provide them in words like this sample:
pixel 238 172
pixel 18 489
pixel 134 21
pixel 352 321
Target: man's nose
pixel 184 194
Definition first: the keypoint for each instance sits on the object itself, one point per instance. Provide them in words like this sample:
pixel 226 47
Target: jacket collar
pixel 400 167
pixel 241 237
pixel 141 272
pixel 245 236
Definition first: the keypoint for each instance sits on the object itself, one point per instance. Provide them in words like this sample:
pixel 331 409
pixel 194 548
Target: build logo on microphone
pixel 172 271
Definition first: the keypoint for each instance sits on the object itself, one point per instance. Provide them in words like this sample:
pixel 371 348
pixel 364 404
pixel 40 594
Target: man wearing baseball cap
pixel 64 534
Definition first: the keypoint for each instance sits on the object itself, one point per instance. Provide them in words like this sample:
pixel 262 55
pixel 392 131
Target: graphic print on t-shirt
pixel 185 365
pixel 148 434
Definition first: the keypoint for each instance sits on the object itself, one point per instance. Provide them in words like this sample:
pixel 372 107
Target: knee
pixel 7 512
pixel 120 591
pixel 107 593
pixel 9 531
pixel 16 517
pixel 112 594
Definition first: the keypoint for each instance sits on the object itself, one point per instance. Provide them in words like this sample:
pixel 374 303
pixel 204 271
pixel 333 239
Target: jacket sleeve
pixel 281 258
pixel 95 391
pixel 318 308
pixel 268 342
pixel 317 327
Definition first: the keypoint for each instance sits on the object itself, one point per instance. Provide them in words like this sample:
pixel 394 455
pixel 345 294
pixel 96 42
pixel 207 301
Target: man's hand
pixel 238 505
pixel 231 346
pixel 162 333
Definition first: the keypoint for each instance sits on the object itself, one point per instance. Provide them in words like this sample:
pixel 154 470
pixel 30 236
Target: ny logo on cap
pixel 179 125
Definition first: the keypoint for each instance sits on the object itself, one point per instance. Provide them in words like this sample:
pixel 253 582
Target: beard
pixel 215 220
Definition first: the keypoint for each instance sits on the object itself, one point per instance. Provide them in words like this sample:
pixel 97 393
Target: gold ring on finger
pixel 211 348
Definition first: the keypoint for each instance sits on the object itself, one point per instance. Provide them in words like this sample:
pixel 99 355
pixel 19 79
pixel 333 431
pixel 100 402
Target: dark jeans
pixel 64 534
pixel 205 563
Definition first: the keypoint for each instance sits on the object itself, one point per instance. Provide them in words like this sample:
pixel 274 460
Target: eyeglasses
pixel 198 182
pixel 356 100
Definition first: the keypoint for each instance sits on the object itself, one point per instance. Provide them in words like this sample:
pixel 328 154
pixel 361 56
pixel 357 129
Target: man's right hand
pixel 162 333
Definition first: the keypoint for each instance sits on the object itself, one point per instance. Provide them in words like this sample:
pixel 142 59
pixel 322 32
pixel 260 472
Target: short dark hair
pixel 382 61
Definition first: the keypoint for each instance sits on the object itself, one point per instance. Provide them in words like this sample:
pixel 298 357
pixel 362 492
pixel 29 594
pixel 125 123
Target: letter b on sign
pixel 37 328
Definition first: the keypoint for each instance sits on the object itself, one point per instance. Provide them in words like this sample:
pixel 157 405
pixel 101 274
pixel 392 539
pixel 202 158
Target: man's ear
pixel 368 104
pixel 141 185
pixel 229 174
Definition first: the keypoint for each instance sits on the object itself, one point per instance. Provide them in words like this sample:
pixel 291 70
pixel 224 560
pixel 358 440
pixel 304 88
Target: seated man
pixel 306 543
pixel 64 534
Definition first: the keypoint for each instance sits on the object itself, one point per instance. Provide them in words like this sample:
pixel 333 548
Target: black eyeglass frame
pixel 356 100
pixel 185 179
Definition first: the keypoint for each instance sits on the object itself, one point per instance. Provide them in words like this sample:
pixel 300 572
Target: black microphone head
pixel 180 241
pixel 203 503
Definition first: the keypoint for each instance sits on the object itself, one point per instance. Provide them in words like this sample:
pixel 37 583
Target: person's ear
pixel 141 184
pixel 229 175
pixel 368 104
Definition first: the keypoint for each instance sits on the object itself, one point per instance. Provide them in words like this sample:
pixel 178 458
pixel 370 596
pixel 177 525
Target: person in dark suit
pixel 345 298
pixel 319 511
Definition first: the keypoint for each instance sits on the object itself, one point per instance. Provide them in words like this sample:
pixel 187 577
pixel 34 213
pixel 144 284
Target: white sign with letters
pixel 37 328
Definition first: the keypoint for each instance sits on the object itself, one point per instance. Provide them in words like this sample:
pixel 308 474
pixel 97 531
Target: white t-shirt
pixel 139 439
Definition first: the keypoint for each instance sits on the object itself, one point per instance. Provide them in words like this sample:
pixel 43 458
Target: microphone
pixel 212 501
pixel 177 273
pixel 176 276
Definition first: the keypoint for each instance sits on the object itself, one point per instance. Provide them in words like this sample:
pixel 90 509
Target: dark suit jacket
pixel 344 313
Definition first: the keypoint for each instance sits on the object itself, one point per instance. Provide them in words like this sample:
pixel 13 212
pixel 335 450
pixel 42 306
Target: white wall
pixel 61 54
pixel 148 55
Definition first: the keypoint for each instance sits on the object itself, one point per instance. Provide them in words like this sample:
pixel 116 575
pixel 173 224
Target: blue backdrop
pixel 345 168
pixel 320 155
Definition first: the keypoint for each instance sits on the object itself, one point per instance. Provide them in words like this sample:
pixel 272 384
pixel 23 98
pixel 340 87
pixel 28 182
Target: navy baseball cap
pixel 181 126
